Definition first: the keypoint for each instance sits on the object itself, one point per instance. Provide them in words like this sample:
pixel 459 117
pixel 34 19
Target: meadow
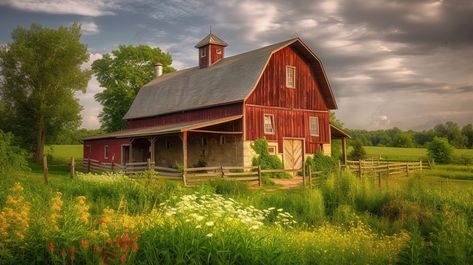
pixel 111 219
pixel 399 153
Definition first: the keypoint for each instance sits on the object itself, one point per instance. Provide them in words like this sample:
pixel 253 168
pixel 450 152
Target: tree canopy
pixel 41 71
pixel 122 73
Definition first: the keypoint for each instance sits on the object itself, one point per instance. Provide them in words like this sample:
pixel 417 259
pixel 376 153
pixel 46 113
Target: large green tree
pixel 41 71
pixel 122 73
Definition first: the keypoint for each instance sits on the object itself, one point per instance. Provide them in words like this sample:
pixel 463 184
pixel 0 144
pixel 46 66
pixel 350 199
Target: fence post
pixel 113 166
pixel 88 165
pixel 379 179
pixel 359 168
pixel 148 164
pixel 420 165
pixel 407 169
pixel 260 181
pixel 221 171
pixel 73 167
pixel 303 174
pixel 184 176
pixel 310 177
pixel 45 169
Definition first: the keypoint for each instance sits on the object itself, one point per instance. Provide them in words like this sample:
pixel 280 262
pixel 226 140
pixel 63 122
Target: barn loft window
pixel 105 152
pixel 219 51
pixel 268 124
pixel 222 139
pixel 203 141
pixel 290 76
pixel 203 52
pixel 314 126
pixel 272 150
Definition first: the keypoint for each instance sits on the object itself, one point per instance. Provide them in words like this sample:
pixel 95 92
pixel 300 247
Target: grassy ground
pixel 423 219
pixel 397 153
pixel 65 152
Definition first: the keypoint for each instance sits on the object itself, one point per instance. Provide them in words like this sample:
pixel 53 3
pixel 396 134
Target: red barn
pixel 213 112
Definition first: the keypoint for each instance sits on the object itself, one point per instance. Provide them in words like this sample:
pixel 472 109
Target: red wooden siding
pixel 291 107
pixel 192 115
pixel 288 123
pixel 214 56
pixel 271 89
pixel 97 149
pixel 204 61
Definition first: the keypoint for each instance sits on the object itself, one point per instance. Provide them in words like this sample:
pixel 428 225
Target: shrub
pixel 12 157
pixel 321 162
pixel 440 151
pixel 358 152
pixel 266 160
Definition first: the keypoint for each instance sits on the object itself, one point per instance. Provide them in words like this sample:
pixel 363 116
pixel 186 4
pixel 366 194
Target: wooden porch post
pixel 152 142
pixel 184 155
pixel 344 150
pixel 130 155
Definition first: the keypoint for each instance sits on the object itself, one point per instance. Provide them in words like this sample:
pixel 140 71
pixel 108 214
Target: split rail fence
pixel 194 176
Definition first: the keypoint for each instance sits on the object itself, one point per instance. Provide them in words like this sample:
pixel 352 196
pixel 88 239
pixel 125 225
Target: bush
pixel 12 157
pixel 358 152
pixel 266 160
pixel 321 162
pixel 440 151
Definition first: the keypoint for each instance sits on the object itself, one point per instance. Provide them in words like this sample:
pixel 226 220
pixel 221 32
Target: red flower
pixel 123 257
pixel 136 234
pixel 84 244
pixel 97 249
pixel 73 252
pixel 51 246
pixel 135 246
pixel 63 252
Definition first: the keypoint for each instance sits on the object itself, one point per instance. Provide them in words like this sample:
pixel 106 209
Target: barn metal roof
pixel 228 81
pixel 211 39
pixel 165 129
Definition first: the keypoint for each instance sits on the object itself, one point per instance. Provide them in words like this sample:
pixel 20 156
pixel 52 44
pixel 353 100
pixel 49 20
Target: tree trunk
pixel 41 140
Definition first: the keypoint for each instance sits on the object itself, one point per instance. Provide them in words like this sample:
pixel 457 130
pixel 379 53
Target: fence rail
pixel 387 167
pixel 195 176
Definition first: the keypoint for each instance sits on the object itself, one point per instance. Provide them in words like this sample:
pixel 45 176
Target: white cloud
pixel 89 28
pixel 92 8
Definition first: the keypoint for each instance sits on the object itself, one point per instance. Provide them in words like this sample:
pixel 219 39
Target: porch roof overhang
pixel 338 133
pixel 165 129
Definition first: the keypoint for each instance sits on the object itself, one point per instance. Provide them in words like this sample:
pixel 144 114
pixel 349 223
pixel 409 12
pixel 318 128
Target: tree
pixel 452 132
pixel 440 150
pixel 41 71
pixel 122 73
pixel 12 157
pixel 467 131
pixel 358 152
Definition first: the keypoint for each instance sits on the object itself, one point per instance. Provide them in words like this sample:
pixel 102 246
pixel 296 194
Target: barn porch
pixel 202 143
pixel 337 133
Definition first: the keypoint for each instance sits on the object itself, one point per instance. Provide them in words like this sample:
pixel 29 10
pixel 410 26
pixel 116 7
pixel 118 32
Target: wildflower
pixel 51 246
pixel 72 250
pixel 209 223
pixel 83 209
pixel 84 244
pixel 198 226
pixel 63 253
pixel 56 207
pixel 123 257
pixel 209 235
pixel 135 246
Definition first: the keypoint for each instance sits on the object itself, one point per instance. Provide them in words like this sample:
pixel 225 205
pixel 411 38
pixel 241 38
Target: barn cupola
pixel 211 50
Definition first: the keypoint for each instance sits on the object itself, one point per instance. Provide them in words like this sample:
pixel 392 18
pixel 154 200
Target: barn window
pixel 222 139
pixel 203 141
pixel 269 124
pixel 290 76
pixel 219 51
pixel 272 150
pixel 105 152
pixel 203 52
pixel 314 126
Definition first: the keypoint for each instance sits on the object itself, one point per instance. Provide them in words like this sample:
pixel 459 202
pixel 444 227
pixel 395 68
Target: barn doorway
pixel 125 154
pixel 293 153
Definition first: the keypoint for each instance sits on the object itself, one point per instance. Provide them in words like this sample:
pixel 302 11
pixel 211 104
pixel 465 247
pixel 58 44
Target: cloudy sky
pixel 404 63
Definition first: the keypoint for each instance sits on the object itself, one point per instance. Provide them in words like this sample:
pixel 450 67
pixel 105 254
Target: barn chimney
pixel 211 50
pixel 158 70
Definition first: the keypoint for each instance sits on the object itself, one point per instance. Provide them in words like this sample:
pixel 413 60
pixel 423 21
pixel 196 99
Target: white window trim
pixel 310 126
pixel 106 149
pixel 273 124
pixel 203 52
pixel 294 76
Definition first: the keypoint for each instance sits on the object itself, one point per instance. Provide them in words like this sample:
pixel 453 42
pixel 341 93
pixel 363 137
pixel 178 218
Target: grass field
pixel 397 153
pixel 110 219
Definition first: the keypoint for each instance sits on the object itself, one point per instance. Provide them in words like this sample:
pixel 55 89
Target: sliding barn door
pixel 293 153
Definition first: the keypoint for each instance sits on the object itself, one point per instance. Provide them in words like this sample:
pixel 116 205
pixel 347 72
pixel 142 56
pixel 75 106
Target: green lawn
pixel 397 153
pixel 65 152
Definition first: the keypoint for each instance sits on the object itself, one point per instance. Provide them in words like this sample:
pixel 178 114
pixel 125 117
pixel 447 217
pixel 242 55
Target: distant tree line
pixel 459 137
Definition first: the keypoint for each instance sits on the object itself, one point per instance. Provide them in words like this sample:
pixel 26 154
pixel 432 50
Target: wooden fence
pixel 387 167
pixel 198 175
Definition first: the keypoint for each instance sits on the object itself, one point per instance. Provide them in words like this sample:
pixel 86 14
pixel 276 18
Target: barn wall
pixel 97 149
pixel 288 123
pixel 291 107
pixel 192 115
pixel 272 91
pixel 214 56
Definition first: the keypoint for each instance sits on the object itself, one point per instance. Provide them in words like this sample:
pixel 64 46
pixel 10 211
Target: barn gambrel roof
pixel 230 80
